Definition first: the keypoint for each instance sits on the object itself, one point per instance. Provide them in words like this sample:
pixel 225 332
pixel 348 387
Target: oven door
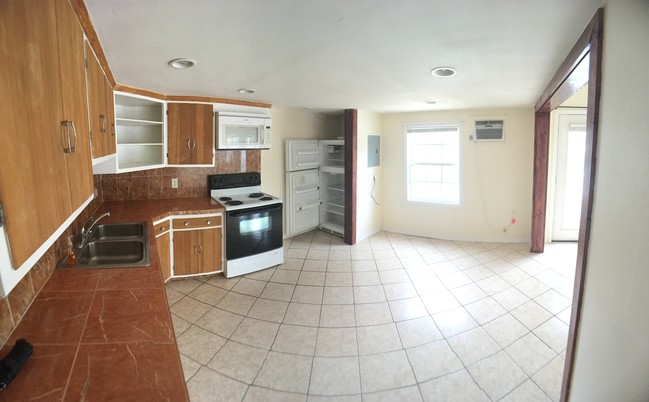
pixel 253 231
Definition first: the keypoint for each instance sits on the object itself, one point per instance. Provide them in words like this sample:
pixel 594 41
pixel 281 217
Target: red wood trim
pixel 351 145
pixel 83 16
pixel 207 99
pixel 140 91
pixel 540 180
pixel 592 130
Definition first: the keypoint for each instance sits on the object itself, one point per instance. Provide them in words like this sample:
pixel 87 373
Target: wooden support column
pixel 351 141
pixel 540 184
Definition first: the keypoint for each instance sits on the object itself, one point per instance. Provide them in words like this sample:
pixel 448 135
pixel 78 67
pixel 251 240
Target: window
pixel 433 163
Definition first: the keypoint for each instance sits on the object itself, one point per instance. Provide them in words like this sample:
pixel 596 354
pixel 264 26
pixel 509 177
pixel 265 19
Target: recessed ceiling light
pixel 443 72
pixel 246 91
pixel 431 102
pixel 182 63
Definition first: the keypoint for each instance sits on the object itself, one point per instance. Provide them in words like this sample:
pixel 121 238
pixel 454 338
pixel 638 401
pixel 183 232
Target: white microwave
pixel 242 131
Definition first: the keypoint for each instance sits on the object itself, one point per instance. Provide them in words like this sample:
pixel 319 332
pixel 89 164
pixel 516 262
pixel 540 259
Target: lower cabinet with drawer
pixel 192 245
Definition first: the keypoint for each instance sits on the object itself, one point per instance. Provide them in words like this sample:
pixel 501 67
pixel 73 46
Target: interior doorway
pixel 569 154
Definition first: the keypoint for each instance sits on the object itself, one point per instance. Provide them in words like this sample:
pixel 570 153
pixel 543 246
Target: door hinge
pixel 2 216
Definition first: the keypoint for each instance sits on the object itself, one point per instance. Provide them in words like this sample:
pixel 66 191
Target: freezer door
pixel 302 155
pixel 303 207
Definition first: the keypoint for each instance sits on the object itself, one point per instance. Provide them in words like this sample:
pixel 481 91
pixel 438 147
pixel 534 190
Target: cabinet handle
pixel 193 143
pixel 195 248
pixel 200 249
pixel 186 223
pixel 73 147
pixel 102 123
pixel 208 222
pixel 189 142
pixel 112 129
pixel 65 135
pixel 162 228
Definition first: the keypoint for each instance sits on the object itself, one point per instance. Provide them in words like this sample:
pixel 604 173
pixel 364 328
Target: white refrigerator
pixel 315 186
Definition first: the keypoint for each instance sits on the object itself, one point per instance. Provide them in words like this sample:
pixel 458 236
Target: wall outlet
pixel 174 182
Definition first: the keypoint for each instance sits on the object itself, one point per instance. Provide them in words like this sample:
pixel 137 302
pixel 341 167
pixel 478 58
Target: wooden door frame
pixel 585 56
pixel 351 147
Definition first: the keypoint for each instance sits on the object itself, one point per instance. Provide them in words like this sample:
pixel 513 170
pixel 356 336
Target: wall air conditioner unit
pixel 489 130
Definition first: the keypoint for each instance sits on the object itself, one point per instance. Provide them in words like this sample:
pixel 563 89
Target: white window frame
pixel 407 127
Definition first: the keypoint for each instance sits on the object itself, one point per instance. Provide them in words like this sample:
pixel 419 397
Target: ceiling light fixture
pixel 246 91
pixel 182 63
pixel 443 72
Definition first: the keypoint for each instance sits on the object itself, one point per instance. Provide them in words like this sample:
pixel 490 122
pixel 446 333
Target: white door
pixel 571 147
pixel 303 207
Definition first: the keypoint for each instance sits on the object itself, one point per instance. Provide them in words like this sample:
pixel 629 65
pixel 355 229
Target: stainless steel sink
pixel 114 245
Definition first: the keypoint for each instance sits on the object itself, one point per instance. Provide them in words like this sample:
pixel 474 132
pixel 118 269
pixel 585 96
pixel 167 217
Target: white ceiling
pixel 332 54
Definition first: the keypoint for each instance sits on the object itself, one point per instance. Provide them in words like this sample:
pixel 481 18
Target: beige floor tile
pixel 532 287
pixel 514 275
pixel 336 342
pixel 338 295
pixel 458 386
pixel 296 253
pixel 315 265
pixel 528 391
pixel 388 263
pixel 531 314
pixel 220 322
pixel 417 273
pixel 173 295
pixel 189 366
pixel 407 309
pixel 362 255
pixel 473 345
pixel 530 353
pixel 291 264
pixel 427 286
pixel 372 314
pixel 383 252
pixel 278 291
pixel 263 275
pixel 190 309
pixel 337 315
pixel 285 372
pixel 222 282
pixel 493 284
pixel 308 294
pixel 238 361
pixel 339 266
pixel 378 339
pixel 249 287
pixel 553 333
pixel 339 255
pixel 565 315
pixel 433 360
pixel 335 376
pixel 410 394
pixel 505 329
pixel 455 321
pixel 210 386
pixel 236 303
pixel 285 276
pixel 485 310
pixel 497 375
pixel 394 276
pixel 553 301
pixel 179 325
pixel 396 291
pixel 441 300
pixel 184 286
pixel 318 255
pixel 208 294
pixel 311 278
pixel 418 332
pixel 259 394
pixel 455 280
pixel 295 339
pixel 268 310
pixel 366 278
pixel 303 314
pixel 510 298
pixel 363 265
pixel 368 294
pixel 199 345
pixel 385 371
pixel 468 293
pixel 549 378
pixel 256 333
pixel 478 273
pixel 338 279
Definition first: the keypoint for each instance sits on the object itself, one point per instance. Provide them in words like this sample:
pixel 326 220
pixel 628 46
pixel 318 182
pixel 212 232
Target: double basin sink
pixel 113 245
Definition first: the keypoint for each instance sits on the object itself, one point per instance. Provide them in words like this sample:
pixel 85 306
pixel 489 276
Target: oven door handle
pixel 268 208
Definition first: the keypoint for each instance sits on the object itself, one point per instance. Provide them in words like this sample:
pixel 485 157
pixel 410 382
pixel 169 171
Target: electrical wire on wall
pixel 372 190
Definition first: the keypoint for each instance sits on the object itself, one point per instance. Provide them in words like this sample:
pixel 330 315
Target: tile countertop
pixel 102 334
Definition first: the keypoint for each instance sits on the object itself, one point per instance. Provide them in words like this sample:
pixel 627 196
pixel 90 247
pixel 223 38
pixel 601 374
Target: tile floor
pixel 394 317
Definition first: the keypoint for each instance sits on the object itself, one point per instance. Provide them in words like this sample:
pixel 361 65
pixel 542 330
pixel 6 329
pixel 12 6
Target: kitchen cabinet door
pixel 190 134
pixel 31 110
pixel 185 262
pixel 95 94
pixel 73 98
pixel 197 251
pixel 209 250
pixel 163 242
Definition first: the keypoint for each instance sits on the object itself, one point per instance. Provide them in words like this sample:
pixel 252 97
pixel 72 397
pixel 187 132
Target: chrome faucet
pixel 87 229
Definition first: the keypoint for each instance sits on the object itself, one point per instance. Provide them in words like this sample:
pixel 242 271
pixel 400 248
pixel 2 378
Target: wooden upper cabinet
pixel 102 107
pixel 190 129
pixel 41 87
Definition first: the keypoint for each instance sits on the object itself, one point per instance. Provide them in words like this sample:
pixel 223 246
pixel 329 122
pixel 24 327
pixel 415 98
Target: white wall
pixel 612 356
pixel 496 180
pixel 368 211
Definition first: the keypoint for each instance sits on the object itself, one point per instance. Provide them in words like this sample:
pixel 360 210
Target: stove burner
pixel 234 202
pixel 225 199
pixel 256 195
pixel 266 198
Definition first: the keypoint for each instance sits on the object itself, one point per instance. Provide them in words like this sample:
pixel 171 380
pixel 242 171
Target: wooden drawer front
pixel 190 223
pixel 161 227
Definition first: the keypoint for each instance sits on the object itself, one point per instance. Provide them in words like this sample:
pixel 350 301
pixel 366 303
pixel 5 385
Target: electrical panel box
pixel 373 150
